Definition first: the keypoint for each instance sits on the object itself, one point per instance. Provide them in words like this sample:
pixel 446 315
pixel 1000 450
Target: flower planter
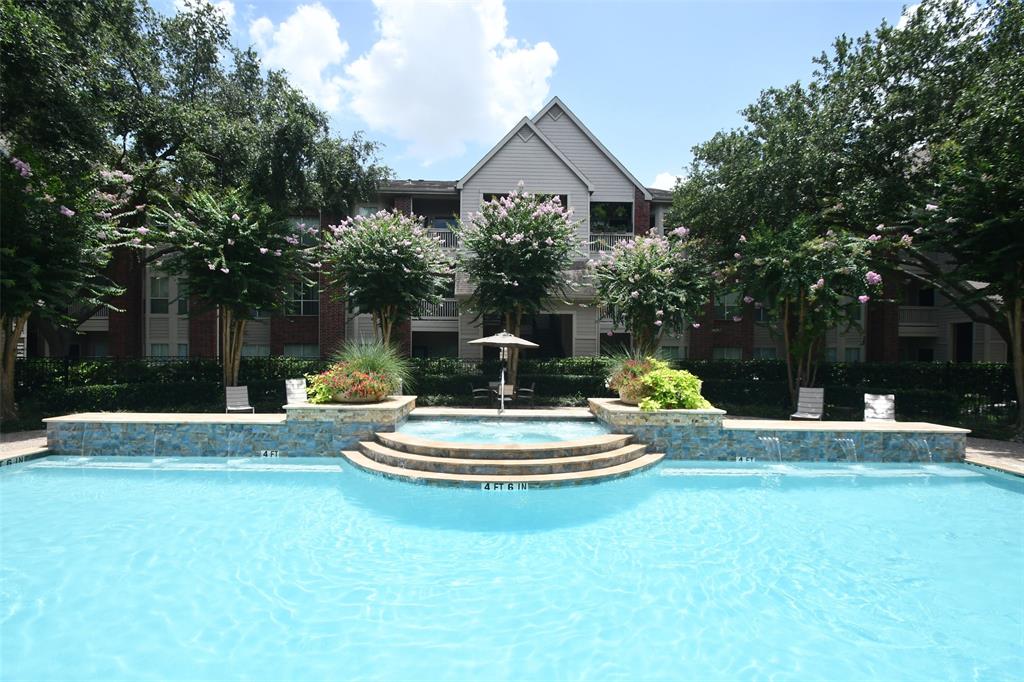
pixel 629 396
pixel 353 400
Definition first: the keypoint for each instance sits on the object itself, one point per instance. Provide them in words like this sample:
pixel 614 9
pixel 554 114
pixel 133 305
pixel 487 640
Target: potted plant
pixel 361 373
pixel 626 376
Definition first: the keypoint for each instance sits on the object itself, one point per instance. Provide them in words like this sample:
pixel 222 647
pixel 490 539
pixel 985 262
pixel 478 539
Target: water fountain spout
pixel 848 447
pixel 772 447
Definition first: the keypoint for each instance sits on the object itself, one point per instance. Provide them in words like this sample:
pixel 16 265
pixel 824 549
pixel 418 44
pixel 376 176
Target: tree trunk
pixel 1015 313
pixel 516 320
pixel 787 350
pixel 12 329
pixel 232 334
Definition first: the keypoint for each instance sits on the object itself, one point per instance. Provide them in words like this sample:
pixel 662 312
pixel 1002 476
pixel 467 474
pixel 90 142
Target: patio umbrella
pixel 503 340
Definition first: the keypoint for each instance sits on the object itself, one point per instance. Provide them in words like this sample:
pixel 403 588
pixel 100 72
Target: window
pixel 303 299
pixel 727 353
pixel 611 216
pixel 159 350
pixel 98 348
pixel 926 297
pixel 727 307
pixel 366 211
pixel 675 352
pixel 301 350
pixel 182 302
pixel 851 355
pixel 255 350
pixel 159 296
pixel 830 354
pixel 766 353
pixel 926 355
pixel 760 314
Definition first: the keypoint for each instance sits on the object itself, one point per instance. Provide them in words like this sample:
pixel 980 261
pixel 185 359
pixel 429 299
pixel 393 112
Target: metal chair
pixel 237 399
pixel 810 404
pixel 480 395
pixel 295 391
pixel 879 407
pixel 525 395
pixel 496 390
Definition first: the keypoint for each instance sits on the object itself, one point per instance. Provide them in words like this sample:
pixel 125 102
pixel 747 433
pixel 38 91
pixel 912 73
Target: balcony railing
pixel 446 309
pixel 917 315
pixel 599 241
pixel 448 239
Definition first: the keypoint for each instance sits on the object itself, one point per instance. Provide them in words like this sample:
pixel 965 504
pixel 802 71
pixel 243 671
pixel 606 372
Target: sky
pixel 439 83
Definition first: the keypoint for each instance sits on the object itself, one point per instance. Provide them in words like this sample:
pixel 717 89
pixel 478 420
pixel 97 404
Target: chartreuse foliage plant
pixel 387 265
pixel 671 389
pixel 516 254
pixel 234 255
pixel 654 286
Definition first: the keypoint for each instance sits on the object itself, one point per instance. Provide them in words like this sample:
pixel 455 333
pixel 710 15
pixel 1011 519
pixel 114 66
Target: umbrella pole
pixel 501 391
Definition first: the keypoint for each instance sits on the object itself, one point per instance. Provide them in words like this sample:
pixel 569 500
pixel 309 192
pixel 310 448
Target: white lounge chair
pixel 879 407
pixel 237 399
pixel 295 391
pixel 810 404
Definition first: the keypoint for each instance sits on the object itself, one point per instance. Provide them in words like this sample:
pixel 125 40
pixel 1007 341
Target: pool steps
pixel 583 446
pixel 418 460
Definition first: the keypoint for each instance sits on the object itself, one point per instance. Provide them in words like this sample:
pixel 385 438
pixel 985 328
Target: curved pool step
pixel 486 466
pixel 532 480
pixel 567 448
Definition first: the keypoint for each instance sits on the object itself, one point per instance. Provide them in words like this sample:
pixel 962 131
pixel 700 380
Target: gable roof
pixel 525 122
pixel 555 101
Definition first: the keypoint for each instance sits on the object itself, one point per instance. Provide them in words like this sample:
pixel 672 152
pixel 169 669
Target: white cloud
pixel 225 7
pixel 444 74
pixel 309 47
pixel 908 13
pixel 666 180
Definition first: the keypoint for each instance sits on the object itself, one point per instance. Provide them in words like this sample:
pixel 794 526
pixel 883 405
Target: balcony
pixel 446 309
pixel 600 241
pixel 917 320
pixel 448 239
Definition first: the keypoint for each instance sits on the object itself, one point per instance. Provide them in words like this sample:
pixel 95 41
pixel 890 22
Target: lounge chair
pixel 810 404
pixel 879 407
pixel 295 391
pixel 525 395
pixel 237 399
pixel 480 395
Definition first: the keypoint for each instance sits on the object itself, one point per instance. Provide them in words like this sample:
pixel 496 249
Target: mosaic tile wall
pixel 307 432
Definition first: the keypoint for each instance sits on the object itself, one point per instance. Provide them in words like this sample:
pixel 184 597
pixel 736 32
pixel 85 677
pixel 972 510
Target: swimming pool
pixel 506 430
pixel 308 569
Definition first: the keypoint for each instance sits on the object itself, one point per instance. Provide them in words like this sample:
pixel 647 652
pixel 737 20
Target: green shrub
pixel 671 389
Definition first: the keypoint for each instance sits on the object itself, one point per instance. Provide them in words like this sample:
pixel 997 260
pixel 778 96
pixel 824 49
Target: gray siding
pixel 610 184
pixel 541 171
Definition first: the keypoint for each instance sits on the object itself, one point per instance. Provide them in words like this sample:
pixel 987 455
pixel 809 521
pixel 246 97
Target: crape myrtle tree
pixel 234 254
pixel 516 253
pixel 387 265
pixel 57 236
pixel 809 279
pixel 654 286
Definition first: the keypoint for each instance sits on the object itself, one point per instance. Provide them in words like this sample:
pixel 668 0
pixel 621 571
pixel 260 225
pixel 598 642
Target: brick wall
pixel 882 324
pixel 723 334
pixel 641 212
pixel 202 330
pixel 293 329
pixel 403 204
pixel 332 321
pixel 127 329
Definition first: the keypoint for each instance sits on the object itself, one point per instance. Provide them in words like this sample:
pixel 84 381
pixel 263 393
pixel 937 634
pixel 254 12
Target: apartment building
pixel 553 153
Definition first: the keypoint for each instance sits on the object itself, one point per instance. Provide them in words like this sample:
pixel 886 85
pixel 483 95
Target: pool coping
pixel 510 413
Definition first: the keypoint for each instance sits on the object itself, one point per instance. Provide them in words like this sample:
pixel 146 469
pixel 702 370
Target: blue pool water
pixel 518 431
pixel 308 569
